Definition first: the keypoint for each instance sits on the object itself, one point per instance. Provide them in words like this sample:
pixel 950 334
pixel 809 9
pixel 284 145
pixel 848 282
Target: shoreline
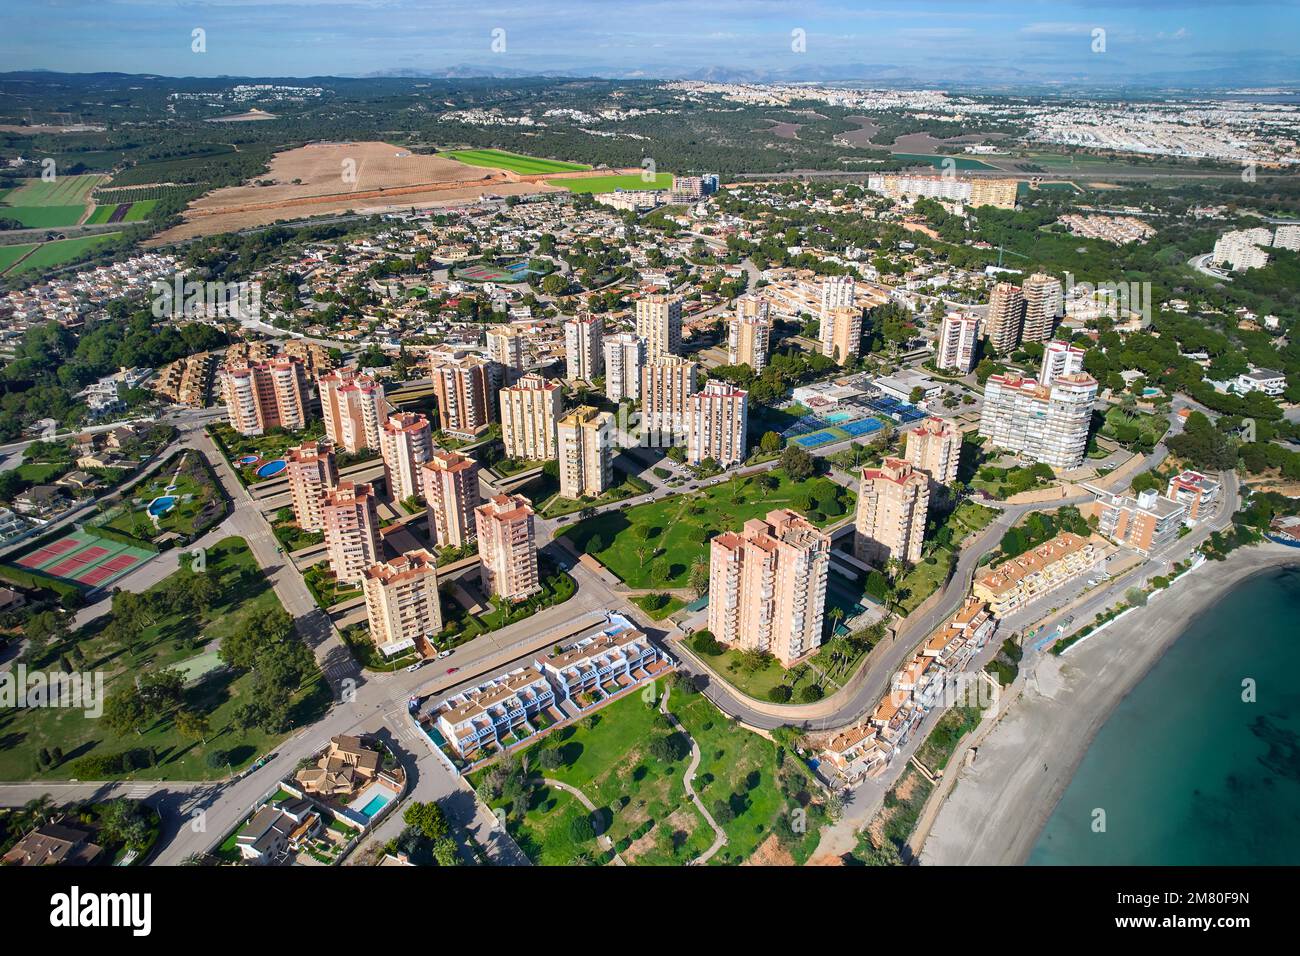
pixel 1000 805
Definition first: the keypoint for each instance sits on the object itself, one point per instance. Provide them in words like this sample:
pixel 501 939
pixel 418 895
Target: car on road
pixel 416 666
pixel 452 670
pixel 442 654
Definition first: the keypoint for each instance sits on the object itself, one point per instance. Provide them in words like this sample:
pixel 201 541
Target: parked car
pixel 416 666
pixel 443 654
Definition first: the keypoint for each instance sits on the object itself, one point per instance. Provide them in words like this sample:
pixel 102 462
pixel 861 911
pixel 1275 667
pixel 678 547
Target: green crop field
pixel 959 162
pixel 136 212
pixel 59 253
pixel 43 217
pixel 11 254
pixel 61 191
pixel 514 162
pixel 607 184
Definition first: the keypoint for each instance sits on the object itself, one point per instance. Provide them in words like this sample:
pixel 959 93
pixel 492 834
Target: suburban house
pixel 53 844
pixel 276 829
pixel 344 767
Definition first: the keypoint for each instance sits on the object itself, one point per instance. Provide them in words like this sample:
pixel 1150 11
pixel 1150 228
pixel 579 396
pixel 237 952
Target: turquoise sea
pixel 1186 772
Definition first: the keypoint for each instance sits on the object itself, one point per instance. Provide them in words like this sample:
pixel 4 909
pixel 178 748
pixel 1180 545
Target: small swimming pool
pixel 271 468
pixel 246 459
pixel 834 418
pixel 374 805
pixel 161 505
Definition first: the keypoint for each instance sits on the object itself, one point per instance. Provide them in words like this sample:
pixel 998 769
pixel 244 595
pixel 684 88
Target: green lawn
pixel 196 488
pixel 1134 428
pixel 168 641
pixel 60 191
pixel 673 605
pixel 607 184
pixel 514 162
pixel 269 446
pixel 649 816
pixel 653 545
pixel 923 580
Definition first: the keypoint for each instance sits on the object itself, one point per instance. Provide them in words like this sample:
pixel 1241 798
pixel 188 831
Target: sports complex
pixel 84 558
pixel 851 419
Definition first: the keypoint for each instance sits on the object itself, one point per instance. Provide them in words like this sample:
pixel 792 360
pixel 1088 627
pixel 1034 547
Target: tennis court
pixel 85 558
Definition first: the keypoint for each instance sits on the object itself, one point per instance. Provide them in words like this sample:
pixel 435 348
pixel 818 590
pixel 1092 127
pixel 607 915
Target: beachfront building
pixel 893 501
pixel 406 443
pixel 461 384
pixel 530 410
pixel 507 547
pixel 659 325
pixel 624 356
pixel 1196 492
pixel 767 586
pixel 450 484
pixel 1043 423
pixel 402 605
pixel 1144 522
pixel 586 457
pixel 354 408
pixel 312 475
pixel 1017 581
pixel 351 530
pixel 717 424
pixel 263 395
pixel 583 347
pixel 934 447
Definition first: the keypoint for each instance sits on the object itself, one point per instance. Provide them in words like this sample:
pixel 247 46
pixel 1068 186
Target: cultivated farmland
pixel 514 162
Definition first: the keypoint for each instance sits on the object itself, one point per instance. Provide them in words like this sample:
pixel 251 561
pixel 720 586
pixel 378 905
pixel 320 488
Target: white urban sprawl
pixel 1099 40
pixel 798 40
pixel 1248 683
pixel 349 170
pixel 498 44
pixel 649 171
pixel 1098 820
pixel 198 40
pixel 36 690
pixel 237 300
pixel 49 170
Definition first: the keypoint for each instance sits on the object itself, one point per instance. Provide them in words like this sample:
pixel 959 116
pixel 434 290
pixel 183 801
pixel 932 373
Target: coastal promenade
pixel 1007 795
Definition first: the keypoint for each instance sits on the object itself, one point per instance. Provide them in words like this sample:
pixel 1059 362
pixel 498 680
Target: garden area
pixel 164 719
pixel 655 545
pixel 253 456
pixel 629 761
pixel 182 497
pixel 1135 430
pixel 292 538
pixel 460 626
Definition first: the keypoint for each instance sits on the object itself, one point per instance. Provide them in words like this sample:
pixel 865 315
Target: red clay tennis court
pixel 48 553
pixel 85 557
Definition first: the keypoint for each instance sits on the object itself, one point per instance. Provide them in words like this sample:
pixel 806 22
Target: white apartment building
pixel 505 347
pixel 451 494
pixel 354 408
pixel 659 324
pixel 1243 249
pixel 583 347
pixel 667 385
pixel 750 333
pixel 1042 423
pixel 958 345
pixel 264 395
pixel 624 356
pixel 351 530
pixel 1060 358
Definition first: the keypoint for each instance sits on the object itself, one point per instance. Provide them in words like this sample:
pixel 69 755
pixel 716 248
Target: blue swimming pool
pixel 271 468
pixel 161 505
pixel 374 805
pixel 247 459
pixel 834 418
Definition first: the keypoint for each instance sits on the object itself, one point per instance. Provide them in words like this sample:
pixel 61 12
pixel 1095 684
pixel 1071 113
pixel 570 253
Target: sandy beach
pixel 1001 803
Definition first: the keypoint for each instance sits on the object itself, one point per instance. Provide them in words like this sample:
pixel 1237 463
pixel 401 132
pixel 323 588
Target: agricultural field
pixel 39 204
pixel 608 184
pixel 514 162
pixel 122 212
pixel 52 254
pixel 11 254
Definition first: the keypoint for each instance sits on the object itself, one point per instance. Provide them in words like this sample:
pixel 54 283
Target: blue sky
pixel 992 38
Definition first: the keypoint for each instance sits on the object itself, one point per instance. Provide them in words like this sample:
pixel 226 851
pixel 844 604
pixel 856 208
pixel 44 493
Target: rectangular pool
pixel 375 804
